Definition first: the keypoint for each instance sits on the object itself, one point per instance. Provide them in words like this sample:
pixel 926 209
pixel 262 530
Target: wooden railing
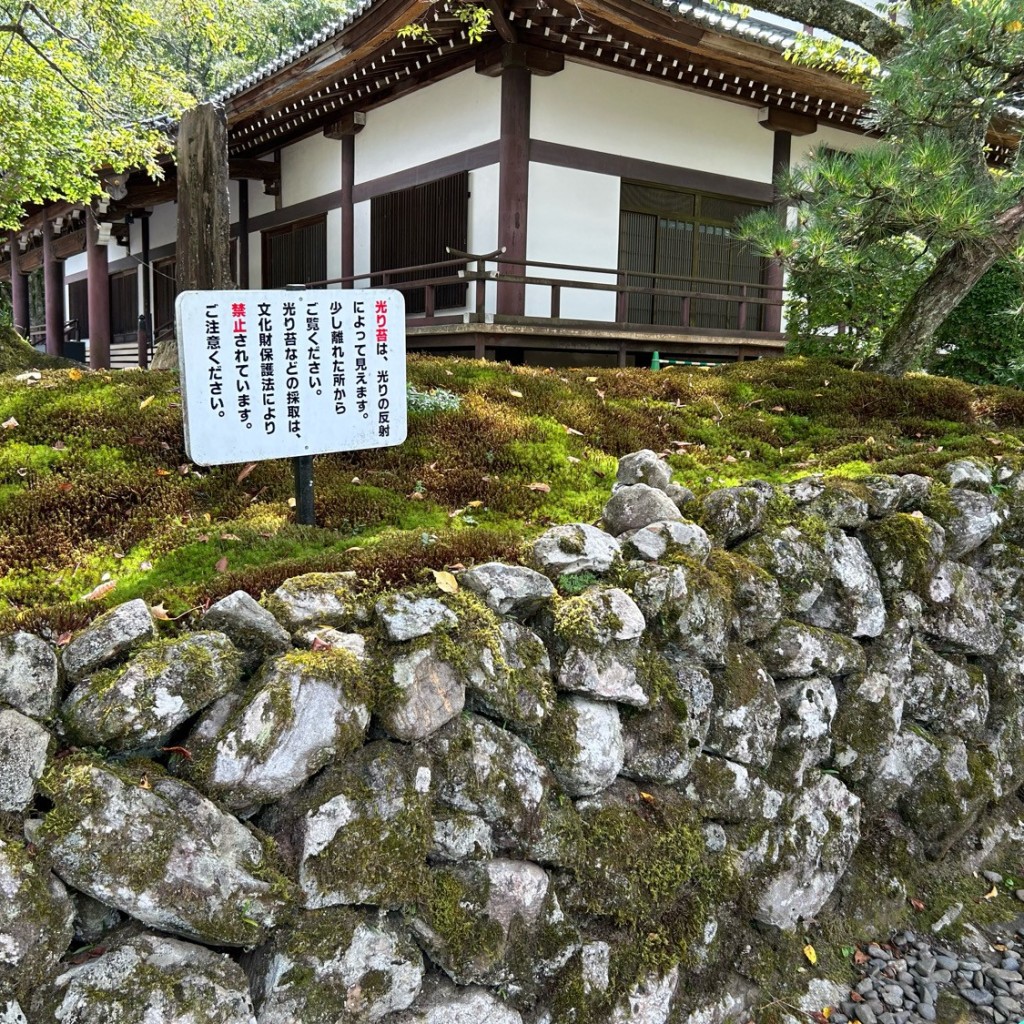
pixel 669 291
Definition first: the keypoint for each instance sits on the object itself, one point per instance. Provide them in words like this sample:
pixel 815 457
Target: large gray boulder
pixel 906 549
pixel 691 605
pixel 36 917
pixel 445 1003
pixel 755 597
pixel 29 680
pixel 574 548
pixel 667 537
pixel 970 520
pixel 792 556
pixel 429 691
pixel 884 493
pixel 805 739
pixel 644 467
pixel 634 507
pixel 318 599
pixel 484 770
pixel 797 651
pixel 851 599
pixel 648 1002
pixel 733 513
pixel 23 747
pixel 970 473
pixel 584 745
pixel 663 741
pixel 249 626
pixel 192 866
pixel 726 791
pixel 107 638
pixel 141 978
pixel 303 711
pixel 511 680
pixel 596 639
pixel 745 715
pixel 406 617
pixel 509 589
pixel 961 613
pixel 162 686
pixel 361 831
pixel 946 696
pixel 337 964
pixel 820 832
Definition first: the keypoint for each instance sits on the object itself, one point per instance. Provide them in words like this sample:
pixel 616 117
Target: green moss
pixel 452 905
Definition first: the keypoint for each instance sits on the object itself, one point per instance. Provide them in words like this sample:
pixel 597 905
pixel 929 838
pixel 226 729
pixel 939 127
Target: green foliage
pixel 983 341
pixel 92 484
pixel 872 227
pixel 476 18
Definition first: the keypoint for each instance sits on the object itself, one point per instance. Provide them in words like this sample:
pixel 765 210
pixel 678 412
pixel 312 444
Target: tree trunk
pixel 204 217
pixel 909 339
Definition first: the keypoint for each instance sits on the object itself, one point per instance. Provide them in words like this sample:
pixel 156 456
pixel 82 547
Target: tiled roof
pixel 286 58
pixel 750 28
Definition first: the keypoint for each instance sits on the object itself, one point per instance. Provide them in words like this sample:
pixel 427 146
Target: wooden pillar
pixel 348 235
pixel 99 297
pixel 53 294
pixel 146 320
pixel 243 233
pixel 19 289
pixel 774 277
pixel 513 182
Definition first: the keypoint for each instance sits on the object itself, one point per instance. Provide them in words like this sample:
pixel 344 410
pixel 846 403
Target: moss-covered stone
pixel 906 550
pixel 746 713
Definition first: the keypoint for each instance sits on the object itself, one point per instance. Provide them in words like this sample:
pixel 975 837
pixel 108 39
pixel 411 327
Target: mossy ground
pixel 94 479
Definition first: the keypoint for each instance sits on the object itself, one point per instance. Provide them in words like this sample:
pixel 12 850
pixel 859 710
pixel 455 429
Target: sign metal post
pixel 289 374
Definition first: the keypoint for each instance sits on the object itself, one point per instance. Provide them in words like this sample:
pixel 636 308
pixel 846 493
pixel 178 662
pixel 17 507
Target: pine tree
pixel 895 236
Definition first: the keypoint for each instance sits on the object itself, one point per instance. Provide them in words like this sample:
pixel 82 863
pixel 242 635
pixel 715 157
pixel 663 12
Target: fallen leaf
pixel 515 394
pixel 356 480
pixel 778 408
pixel 291 503
pixel 222 564
pixel 183 752
pixel 646 797
pixel 144 783
pixel 145 566
pixel 856 997
pixel 860 957
pixel 29 376
pixel 590 380
pixel 474 504
pixel 101 591
pixel 811 955
pixel 455 567
pixel 59 446
pixel 321 645
pixel 992 894
pixel 184 468
pixel 543 488
pixel 246 470
pixel 571 430
pixel 74 374
pixel 572 459
pixel 158 611
pixel 230 536
pixel 146 401
pixel 64 486
pixel 916 904
pixel 64 638
pixel 414 496
pixel 9 424
pixel 445 581
pixel 163 472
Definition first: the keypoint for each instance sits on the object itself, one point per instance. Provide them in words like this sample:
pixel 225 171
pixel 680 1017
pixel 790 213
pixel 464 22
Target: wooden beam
pixel 499 22
pixel 242 168
pixel 533 59
pixel 349 125
pixel 70 244
pixel 775 119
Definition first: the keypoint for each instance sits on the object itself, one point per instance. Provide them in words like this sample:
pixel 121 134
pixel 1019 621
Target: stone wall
pixel 627 780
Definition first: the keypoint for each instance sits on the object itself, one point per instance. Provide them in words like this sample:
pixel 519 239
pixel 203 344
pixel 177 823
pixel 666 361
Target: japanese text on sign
pixel 278 374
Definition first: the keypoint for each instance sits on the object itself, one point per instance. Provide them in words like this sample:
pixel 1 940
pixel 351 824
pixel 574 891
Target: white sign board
pixel 278 374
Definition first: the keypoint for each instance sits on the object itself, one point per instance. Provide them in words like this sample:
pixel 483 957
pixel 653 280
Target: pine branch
pixel 842 18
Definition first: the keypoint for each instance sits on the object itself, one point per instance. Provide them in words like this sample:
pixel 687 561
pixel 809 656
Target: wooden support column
pixel 243 233
pixel 53 293
pixel 513 183
pixel 348 233
pixel 146 320
pixel 774 276
pixel 98 296
pixel 19 289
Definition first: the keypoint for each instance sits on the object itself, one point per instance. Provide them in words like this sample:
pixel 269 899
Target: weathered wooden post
pixel 204 216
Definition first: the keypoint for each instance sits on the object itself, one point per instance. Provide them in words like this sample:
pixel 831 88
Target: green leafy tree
pixel 890 240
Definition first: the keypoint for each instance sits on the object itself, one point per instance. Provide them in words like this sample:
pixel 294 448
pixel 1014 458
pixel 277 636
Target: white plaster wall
pixel 163 225
pixel 573 218
pixel 334 245
pixel 309 168
pixel 834 138
pixel 599 110
pixel 76 264
pixel 448 117
pixel 259 201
